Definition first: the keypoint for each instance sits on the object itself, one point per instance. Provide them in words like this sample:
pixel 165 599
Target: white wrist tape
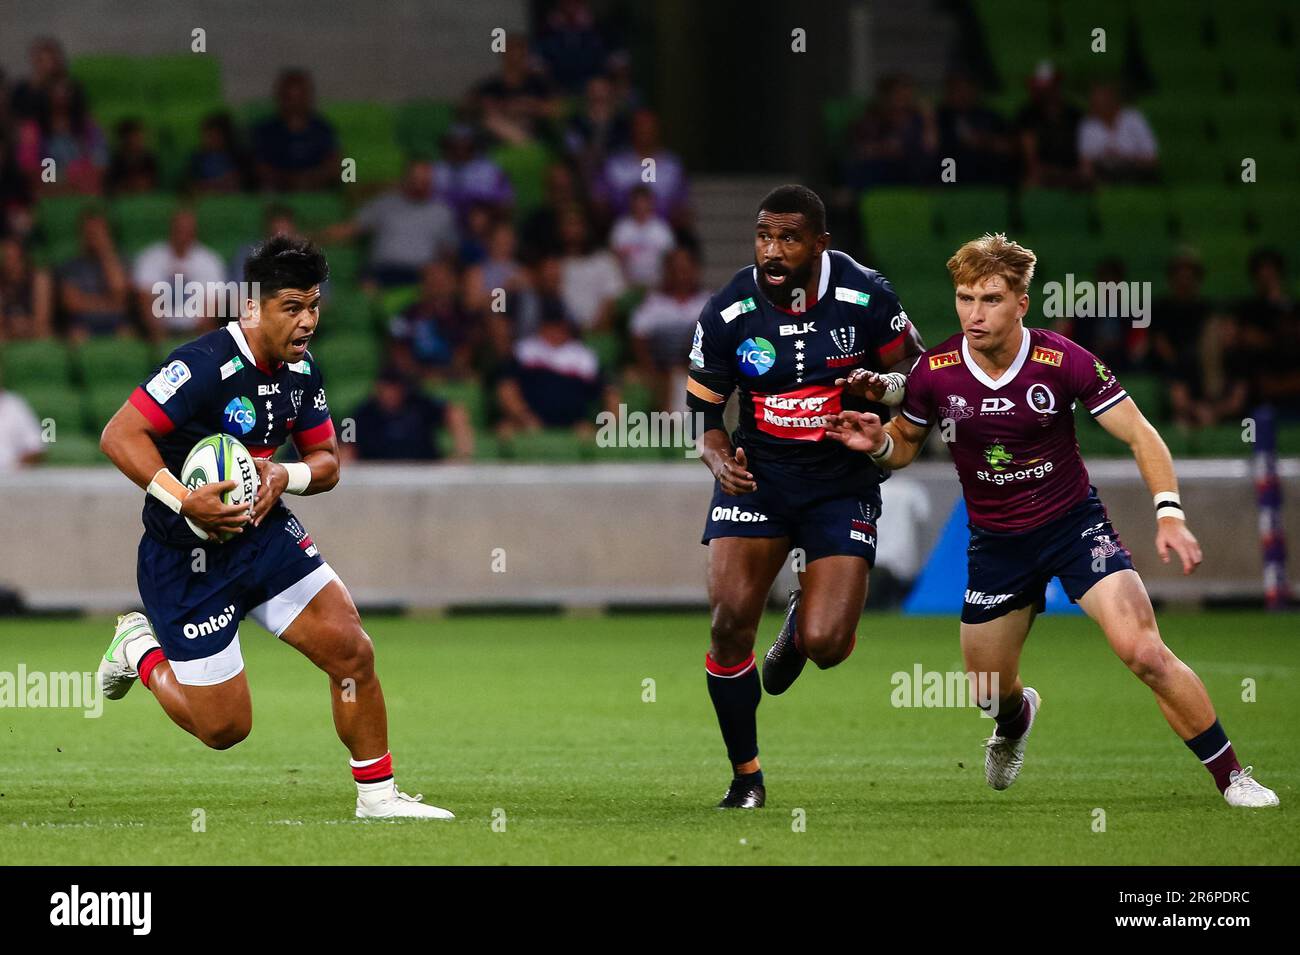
pixel 894 391
pixel 881 454
pixel 1168 504
pixel 167 488
pixel 299 477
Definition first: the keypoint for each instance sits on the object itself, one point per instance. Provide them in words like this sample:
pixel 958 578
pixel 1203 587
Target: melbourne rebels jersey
pixel 785 364
pixel 213 385
pixel 1012 439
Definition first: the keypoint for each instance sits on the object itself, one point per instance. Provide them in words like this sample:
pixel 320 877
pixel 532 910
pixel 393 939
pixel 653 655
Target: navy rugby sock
pixel 735 692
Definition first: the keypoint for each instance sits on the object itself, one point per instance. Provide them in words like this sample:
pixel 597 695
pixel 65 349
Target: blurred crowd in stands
pixel 549 307
pixel 1217 358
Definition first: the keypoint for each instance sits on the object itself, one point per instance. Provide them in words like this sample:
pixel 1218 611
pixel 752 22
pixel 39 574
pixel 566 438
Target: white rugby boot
pixel 385 801
pixel 1244 791
pixel 1003 757
pixel 132 639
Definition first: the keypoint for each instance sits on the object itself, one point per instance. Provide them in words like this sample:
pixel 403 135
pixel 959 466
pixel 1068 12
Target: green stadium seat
pixel 345 262
pixel 1219 441
pixel 1276 215
pixel 394 301
pixel 113 82
pixel 314 210
pixel 74 448
pixel 366 133
pixel 554 445
pixel 1206 210
pixel 468 394
pixel 56 220
pixel 1140 213
pixel 60 403
pixel 637 397
pixel 141 220
pixel 348 356
pixel 186 79
pixel 1056 210
pixel 964 212
pixel 899 225
pixel 608 348
pixel 347 307
pixel 120 363
pixel 525 165
pixel 419 126
pixel 838 117
pixel 230 215
pixel 1149 392
pixel 345 397
pixel 38 363
pixel 102 402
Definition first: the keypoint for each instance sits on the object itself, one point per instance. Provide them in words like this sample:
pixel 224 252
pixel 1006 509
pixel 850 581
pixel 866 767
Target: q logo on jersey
pixel 240 414
pixel 756 356
pixel 1041 399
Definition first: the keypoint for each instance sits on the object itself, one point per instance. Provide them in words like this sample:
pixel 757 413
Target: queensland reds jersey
pixel 785 364
pixel 213 385
pixel 1012 440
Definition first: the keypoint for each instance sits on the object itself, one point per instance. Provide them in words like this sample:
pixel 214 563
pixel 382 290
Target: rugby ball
pixel 217 458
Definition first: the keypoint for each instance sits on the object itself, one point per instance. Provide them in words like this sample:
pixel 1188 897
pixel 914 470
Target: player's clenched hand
pixel 734 476
pixel 864 383
pixel 856 430
pixel 204 507
pixel 1171 533
pixel 272 480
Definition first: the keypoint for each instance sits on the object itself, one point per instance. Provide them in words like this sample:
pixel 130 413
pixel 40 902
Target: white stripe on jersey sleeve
pixel 1109 403
pixel 914 419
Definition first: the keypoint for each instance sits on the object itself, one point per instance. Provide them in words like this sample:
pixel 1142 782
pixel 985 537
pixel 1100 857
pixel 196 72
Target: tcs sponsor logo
pixel 240 414
pixel 756 356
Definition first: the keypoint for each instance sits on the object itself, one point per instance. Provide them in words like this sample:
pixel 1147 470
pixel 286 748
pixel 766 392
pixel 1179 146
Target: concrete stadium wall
pixel 589 535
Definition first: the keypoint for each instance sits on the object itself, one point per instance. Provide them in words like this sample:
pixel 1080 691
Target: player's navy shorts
pixel 824 519
pixel 1008 571
pixel 196 597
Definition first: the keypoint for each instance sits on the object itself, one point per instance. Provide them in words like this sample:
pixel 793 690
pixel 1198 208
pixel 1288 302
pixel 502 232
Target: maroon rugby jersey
pixel 1012 440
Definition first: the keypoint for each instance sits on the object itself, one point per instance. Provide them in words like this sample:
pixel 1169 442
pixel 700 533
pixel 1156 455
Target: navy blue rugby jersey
pixel 785 363
pixel 214 385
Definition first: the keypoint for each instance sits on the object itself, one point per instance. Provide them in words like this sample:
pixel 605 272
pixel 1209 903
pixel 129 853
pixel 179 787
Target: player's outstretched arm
pixel 128 441
pixel 315 473
pixel 1125 421
pixel 894 445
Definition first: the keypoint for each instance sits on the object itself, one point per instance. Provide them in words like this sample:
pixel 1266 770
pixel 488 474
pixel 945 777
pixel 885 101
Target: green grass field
pixel 543 718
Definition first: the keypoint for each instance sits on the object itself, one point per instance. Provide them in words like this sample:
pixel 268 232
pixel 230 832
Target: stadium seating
pixel 35 364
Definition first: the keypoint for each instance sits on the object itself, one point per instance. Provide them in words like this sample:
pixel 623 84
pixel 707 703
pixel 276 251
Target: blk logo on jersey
pixel 756 356
pixel 240 414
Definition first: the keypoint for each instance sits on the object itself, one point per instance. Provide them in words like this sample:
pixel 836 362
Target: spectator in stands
pixel 976 137
pixel 541 230
pixel 1269 336
pixel 220 164
pixel 554 381
pixel 593 279
pixel 477 232
pixel 181 254
pixel 133 166
pixel 894 142
pixel 408 228
pixel 598 129
pixel 65 133
pixel 625 170
pixel 21 442
pixel 1048 126
pixel 1178 323
pixel 277 219
pixel 26 294
pixel 1115 142
pixel 571 44
pixel 640 239
pixel 400 422
pixel 297 148
pixel 516 104
pixel 499 269
pixel 48 67
pixel 541 299
pixel 663 325
pixel 435 336
pixel 464 175
pixel 94 290
pixel 1112 339
pixel 15 190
